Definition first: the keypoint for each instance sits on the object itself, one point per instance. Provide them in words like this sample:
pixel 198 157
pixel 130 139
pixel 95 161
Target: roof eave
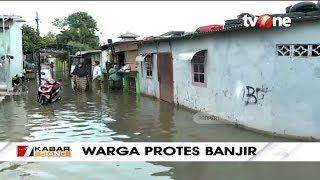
pixel 107 46
pixel 233 28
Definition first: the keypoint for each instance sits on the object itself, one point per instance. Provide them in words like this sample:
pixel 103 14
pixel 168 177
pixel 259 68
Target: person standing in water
pixel 96 76
pixel 114 76
pixel 81 76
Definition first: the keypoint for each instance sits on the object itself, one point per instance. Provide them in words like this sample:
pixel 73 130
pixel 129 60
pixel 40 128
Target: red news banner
pixel 177 151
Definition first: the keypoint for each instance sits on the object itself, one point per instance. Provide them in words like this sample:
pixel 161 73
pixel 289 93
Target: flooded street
pixel 126 117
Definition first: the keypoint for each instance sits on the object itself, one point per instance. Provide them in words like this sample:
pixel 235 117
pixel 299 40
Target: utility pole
pixel 39 57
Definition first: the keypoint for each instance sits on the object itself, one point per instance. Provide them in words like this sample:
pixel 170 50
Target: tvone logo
pixel 266 21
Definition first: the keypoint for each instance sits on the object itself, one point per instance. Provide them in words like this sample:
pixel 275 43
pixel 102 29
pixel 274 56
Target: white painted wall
pixel 4 43
pixel 150 86
pixel 104 56
pixel 16 66
pixel 11 44
pixel 248 58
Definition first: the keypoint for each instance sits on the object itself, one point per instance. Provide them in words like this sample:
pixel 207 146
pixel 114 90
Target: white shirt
pixel 96 72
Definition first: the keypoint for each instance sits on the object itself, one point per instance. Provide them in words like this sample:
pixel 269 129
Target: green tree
pixel 81 46
pixel 79 29
pixel 30 39
pixel 50 38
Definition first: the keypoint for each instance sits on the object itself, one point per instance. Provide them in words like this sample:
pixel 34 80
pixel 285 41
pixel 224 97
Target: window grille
pixel 299 50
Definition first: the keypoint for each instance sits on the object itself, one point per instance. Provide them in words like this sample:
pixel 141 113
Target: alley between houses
pixel 125 117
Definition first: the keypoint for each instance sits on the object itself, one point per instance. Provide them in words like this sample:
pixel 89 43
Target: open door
pixel 165 76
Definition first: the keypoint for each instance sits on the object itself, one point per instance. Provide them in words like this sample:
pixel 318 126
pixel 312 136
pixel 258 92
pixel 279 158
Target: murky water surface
pixel 118 116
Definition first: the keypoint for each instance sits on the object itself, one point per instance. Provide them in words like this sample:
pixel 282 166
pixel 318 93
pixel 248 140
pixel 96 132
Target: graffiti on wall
pixel 253 95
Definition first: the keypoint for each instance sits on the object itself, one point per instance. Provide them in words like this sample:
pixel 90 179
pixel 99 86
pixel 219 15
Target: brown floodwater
pixel 126 117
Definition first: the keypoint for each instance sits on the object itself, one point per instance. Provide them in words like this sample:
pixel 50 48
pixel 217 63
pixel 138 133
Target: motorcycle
pixel 48 91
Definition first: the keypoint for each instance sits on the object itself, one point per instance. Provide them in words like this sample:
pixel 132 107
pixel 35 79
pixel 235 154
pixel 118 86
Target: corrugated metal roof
pixel 104 47
pixel 128 35
pixel 87 52
pixel 14 17
pixel 228 29
pixel 172 33
pixel 196 34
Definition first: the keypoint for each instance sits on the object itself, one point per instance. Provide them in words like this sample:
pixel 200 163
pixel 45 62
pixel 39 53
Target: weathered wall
pixel 11 44
pixel 130 58
pixel 237 60
pixel 150 86
pixel 104 58
pixel 4 44
pixel 16 66
pixel 125 47
pixel 288 87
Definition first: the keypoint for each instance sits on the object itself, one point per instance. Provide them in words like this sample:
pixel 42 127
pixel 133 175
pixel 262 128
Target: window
pixel 299 50
pixel 198 68
pixel 148 63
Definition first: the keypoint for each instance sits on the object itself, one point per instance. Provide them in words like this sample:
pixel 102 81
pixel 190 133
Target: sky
pixel 144 18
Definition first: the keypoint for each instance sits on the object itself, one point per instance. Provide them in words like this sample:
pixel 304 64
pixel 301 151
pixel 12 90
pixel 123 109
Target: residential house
pixel 125 52
pixel 11 54
pixel 265 79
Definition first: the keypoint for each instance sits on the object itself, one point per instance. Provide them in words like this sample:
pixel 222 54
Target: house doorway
pixel 88 64
pixel 121 57
pixel 165 76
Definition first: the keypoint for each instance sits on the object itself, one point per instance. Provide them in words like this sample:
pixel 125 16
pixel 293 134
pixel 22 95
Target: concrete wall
pixel 130 58
pixel 150 86
pixel 16 66
pixel 125 47
pixel 104 58
pixel 11 44
pixel 4 44
pixel 236 60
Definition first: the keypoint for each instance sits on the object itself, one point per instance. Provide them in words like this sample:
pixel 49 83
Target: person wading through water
pixel 96 76
pixel 114 76
pixel 81 78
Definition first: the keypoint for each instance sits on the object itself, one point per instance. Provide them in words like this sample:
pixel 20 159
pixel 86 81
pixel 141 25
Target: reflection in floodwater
pixel 118 116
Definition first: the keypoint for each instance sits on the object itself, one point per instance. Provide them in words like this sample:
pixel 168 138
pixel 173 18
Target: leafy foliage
pixel 50 38
pixel 81 46
pixel 30 39
pixel 60 56
pixel 78 28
